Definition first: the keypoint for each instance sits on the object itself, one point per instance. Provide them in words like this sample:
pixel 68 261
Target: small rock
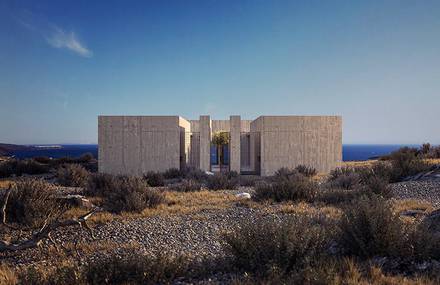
pixel 243 195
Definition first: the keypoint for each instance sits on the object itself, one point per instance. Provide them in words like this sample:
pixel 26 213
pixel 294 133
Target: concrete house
pixel 136 144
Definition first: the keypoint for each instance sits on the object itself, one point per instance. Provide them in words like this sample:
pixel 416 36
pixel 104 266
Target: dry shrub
pixel 72 175
pixel 100 184
pixel 154 179
pixel 338 196
pixel 344 178
pixel 307 171
pixel 265 246
pixel 370 228
pixel 187 185
pixel 379 169
pixel 20 167
pixel 132 268
pixel 31 202
pixel 173 173
pixel 406 162
pixel 195 174
pixel 376 185
pixel 131 194
pixel 220 181
pixel 65 273
pixel 287 187
pixel 85 158
pixel 42 159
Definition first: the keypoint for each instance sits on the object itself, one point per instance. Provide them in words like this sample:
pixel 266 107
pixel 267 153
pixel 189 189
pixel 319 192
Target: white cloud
pixel 68 40
pixel 54 35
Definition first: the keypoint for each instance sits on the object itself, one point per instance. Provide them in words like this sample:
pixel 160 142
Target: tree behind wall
pixel 220 139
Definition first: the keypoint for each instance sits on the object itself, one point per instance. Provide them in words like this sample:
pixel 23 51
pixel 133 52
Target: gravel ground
pixel 422 190
pixel 195 235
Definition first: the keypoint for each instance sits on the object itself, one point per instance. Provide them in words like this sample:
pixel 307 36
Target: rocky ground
pixel 198 234
pixel 426 190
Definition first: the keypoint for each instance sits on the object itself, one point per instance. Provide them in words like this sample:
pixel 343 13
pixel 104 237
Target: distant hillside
pixel 6 149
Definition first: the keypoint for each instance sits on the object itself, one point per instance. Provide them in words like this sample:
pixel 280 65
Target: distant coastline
pixel 350 152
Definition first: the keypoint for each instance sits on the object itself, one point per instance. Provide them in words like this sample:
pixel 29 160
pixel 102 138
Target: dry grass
pixel 192 202
pixel 432 161
pixel 7 276
pixel 309 210
pixel 177 203
pixel 362 163
pixel 4 183
pixel 411 204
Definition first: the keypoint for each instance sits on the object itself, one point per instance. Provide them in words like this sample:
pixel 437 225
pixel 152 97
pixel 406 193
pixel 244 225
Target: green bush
pixel 131 194
pixel 154 179
pixel 72 175
pixel 221 181
pixel 31 202
pixel 295 187
pixel 264 246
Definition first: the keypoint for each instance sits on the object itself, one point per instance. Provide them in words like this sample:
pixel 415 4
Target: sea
pixel 350 152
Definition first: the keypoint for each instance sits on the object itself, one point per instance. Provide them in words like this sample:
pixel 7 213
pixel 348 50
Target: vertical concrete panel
pixel 234 145
pixel 131 147
pixel 110 139
pixel 288 141
pixel 205 142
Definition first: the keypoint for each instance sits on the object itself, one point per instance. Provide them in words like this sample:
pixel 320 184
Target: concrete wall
pixel 205 142
pixel 235 143
pixel 136 144
pixel 288 141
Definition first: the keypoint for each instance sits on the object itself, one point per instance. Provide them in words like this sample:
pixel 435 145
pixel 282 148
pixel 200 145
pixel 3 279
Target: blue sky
pixel 376 63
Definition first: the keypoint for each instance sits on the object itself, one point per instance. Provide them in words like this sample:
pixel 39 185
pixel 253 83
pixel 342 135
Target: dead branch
pixel 5 203
pixel 45 230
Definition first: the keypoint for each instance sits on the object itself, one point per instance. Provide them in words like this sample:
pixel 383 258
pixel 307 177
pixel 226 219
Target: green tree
pixel 220 139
